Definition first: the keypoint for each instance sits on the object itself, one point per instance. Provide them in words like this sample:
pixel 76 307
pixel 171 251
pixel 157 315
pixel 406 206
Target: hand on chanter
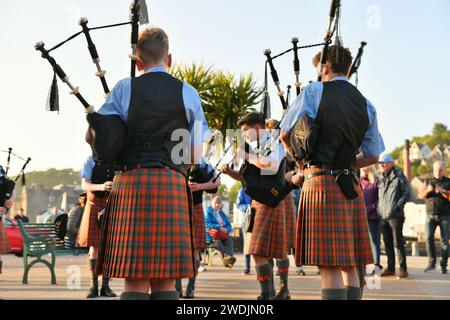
pixel 225 169
pixel 107 186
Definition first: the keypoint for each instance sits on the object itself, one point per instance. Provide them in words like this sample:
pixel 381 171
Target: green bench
pixel 39 240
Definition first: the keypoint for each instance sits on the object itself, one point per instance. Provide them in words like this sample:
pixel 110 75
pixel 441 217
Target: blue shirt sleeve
pixel 307 102
pixel 198 127
pixel 372 144
pixel 118 100
pixel 88 166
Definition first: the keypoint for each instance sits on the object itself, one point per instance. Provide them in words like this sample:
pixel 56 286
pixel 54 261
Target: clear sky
pixel 403 73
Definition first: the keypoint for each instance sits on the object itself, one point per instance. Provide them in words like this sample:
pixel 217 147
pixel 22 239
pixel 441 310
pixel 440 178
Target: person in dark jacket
pixel 369 184
pixel 21 216
pixel 394 192
pixel 437 195
pixel 216 220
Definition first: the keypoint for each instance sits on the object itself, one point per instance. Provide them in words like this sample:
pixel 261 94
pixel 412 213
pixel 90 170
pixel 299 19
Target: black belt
pixel 335 173
pixel 150 164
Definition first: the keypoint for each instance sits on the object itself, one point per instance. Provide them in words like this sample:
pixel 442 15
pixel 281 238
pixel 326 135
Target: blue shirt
pixel 88 166
pixel 118 102
pixel 308 103
pixel 243 200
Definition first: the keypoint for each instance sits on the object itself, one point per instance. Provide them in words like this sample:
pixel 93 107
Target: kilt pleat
pixel 89 233
pixel 268 238
pixel 290 221
pixel 147 232
pixel 332 230
pixel 198 225
pixel 4 244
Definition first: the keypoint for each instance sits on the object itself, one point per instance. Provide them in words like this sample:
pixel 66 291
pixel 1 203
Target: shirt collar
pixel 156 69
pixel 340 78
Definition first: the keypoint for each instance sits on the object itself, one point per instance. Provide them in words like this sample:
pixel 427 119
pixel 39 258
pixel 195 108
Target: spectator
pixel 21 216
pixel 74 219
pixel 436 195
pixel 393 193
pixel 52 216
pixel 369 184
pixel 243 203
pixel 218 228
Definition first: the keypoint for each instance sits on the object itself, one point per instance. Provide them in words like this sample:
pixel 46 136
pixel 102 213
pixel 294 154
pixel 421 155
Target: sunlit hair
pixel 439 165
pixel 153 46
pixel 216 199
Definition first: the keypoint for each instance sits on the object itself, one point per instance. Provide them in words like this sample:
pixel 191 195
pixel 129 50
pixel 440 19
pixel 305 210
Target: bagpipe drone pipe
pixel 7 185
pixel 107 133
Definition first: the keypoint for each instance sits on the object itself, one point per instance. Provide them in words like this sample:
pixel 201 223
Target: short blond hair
pixel 153 46
pixel 216 199
pixel 439 164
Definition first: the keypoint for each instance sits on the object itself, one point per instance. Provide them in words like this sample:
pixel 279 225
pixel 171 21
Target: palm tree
pixel 230 99
pixel 198 76
pixel 224 98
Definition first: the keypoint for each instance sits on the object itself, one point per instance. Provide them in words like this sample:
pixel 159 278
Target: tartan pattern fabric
pixel 268 236
pixel 4 245
pixel 147 232
pixel 290 221
pixel 198 225
pixel 332 229
pixel 89 233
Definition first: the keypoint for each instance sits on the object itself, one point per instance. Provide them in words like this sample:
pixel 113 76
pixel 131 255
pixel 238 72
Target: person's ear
pixel 139 65
pixel 169 61
pixel 327 68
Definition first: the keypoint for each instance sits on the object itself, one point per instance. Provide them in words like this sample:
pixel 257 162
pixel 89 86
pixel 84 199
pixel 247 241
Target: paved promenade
pixel 216 283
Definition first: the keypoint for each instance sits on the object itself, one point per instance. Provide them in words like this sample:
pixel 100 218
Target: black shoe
pixel 107 292
pixel 430 268
pixel 265 296
pixel 188 295
pixel 301 272
pixel 443 270
pixel 246 272
pixel 93 293
pixel 283 295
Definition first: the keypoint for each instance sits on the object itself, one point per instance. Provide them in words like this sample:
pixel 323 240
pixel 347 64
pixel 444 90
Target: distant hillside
pixel 439 136
pixel 53 177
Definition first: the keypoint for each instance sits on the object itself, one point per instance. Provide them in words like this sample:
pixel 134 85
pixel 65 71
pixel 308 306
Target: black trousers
pixel 392 231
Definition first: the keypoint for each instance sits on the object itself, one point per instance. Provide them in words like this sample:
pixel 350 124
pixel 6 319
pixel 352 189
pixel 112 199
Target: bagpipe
pixel 106 134
pixel 276 187
pixel 7 185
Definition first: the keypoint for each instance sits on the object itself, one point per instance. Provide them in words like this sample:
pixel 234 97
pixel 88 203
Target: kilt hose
pixel 147 230
pixel 268 238
pixel 332 229
pixel 198 224
pixel 89 234
pixel 290 222
pixel 4 244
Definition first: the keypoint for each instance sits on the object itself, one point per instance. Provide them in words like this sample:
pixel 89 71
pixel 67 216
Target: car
pixel 13 235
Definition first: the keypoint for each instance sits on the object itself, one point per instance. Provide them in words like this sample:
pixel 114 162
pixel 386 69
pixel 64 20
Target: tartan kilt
pixel 198 225
pixel 4 245
pixel 89 233
pixel 332 229
pixel 290 221
pixel 147 232
pixel 268 238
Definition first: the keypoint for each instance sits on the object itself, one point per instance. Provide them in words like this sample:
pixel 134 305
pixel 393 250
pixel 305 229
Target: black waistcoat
pixel 156 111
pixel 343 121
